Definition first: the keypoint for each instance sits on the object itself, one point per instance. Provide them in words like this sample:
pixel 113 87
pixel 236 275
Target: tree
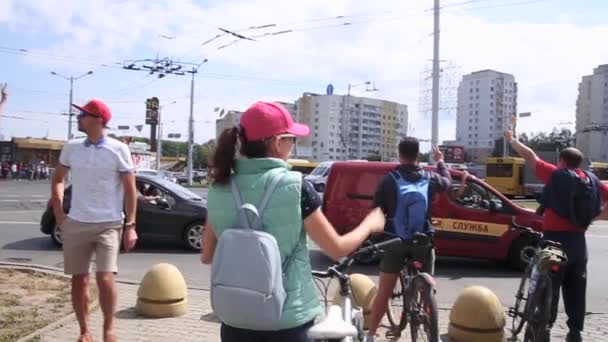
pixel 541 141
pixel 206 152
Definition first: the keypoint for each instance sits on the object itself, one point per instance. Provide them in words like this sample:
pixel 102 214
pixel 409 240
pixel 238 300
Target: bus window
pixel 499 170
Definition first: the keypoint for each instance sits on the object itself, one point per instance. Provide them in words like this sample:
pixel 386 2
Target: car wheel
pixel 193 235
pixel 514 259
pixel 57 236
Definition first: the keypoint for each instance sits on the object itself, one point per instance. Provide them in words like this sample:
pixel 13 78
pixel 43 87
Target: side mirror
pixel 494 207
pixel 162 203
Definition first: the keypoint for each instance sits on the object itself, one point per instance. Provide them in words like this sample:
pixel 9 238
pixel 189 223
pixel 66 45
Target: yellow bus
pixel 506 175
pixel 302 165
pixel 600 170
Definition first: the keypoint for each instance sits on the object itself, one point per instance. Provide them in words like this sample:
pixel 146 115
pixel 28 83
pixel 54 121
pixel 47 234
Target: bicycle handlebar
pixel 344 263
pixel 526 230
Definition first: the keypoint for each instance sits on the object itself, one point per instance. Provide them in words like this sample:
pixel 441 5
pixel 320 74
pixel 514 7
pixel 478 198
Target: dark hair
pixel 572 157
pixel 224 157
pixel 409 147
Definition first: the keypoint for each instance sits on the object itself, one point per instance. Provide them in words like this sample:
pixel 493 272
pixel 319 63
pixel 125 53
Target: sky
pixel 548 45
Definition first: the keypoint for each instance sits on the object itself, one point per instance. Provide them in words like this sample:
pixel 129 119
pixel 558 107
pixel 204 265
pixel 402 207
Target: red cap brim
pixel 299 130
pixel 79 108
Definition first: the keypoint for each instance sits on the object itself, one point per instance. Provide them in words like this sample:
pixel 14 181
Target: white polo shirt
pixel 97 191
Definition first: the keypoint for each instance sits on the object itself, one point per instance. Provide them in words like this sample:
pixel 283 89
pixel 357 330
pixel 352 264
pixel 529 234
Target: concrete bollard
pixel 363 292
pixel 162 292
pixel 476 316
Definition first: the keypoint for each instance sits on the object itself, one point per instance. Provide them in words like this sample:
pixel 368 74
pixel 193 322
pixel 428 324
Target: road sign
pixel 152 106
pixel 123 127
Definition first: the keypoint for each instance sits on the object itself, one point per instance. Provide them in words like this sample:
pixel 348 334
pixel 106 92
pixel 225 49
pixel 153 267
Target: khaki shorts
pixel 82 240
pixel 395 256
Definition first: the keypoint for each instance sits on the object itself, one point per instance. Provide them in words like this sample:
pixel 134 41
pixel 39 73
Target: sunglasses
pixel 84 114
pixel 288 137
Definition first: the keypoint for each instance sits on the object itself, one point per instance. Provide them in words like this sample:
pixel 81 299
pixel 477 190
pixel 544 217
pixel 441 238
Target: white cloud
pixel 389 45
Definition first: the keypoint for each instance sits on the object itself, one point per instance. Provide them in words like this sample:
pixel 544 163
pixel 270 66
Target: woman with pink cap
pixel 264 139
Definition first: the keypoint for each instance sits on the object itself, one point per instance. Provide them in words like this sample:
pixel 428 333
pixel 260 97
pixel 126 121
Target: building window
pixel 492 96
pixel 491 88
pixel 477 90
pixel 477 97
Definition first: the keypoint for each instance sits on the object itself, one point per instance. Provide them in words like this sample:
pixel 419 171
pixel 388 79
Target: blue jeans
pixel 297 334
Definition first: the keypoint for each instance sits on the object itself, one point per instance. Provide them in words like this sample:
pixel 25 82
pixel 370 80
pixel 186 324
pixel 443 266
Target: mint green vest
pixel 283 219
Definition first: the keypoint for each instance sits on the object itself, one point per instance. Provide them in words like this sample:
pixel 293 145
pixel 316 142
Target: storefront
pixel 32 151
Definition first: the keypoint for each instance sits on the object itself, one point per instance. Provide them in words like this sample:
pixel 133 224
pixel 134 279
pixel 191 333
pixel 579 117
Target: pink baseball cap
pixel 96 108
pixel 267 119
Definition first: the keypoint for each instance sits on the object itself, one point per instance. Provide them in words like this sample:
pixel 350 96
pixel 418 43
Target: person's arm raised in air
pixel 521 149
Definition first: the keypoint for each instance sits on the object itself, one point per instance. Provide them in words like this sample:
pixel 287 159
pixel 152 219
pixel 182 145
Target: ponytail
pixel 224 157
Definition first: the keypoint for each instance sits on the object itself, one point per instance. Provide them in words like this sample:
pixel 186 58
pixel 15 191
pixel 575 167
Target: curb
pixel 59 272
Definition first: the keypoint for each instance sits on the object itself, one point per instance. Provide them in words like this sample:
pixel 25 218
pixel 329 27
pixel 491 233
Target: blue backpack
pixel 573 198
pixel 412 205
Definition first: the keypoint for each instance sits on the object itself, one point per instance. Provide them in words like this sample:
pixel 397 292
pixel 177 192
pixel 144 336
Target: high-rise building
pixel 350 127
pixel 592 112
pixel 228 120
pixel 486 101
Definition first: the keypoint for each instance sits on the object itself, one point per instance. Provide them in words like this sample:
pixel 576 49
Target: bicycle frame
pixel 350 313
pixel 536 293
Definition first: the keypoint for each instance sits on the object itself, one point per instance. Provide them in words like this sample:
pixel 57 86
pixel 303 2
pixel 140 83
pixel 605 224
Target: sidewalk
pixel 199 323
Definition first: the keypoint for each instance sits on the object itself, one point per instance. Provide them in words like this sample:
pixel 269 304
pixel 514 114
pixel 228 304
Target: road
pixel 22 204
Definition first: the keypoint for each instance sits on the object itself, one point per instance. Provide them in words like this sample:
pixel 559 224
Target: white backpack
pixel 247 272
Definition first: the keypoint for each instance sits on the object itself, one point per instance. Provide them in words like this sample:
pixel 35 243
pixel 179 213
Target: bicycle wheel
pixel 539 311
pixel 396 306
pixel 518 310
pixel 423 311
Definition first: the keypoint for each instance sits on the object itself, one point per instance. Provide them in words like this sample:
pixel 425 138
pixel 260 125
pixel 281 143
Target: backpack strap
pixel 274 181
pixel 238 204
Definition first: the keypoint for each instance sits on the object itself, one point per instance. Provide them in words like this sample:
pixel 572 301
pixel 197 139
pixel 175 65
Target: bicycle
pixel 344 321
pixel 534 296
pixel 416 290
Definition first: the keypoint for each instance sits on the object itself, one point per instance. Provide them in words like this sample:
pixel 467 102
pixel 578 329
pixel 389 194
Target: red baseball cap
pixel 97 108
pixel 267 119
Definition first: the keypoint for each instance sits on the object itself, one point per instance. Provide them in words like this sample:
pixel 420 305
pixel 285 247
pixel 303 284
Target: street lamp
pixel 71 79
pixel 346 139
pixel 159 147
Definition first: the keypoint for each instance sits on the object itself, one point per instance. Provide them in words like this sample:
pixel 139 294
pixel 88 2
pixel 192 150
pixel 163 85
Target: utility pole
pixel 164 67
pixel 70 114
pixel 191 129
pixel 435 101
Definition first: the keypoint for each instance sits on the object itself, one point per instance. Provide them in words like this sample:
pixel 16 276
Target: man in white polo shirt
pixel 103 184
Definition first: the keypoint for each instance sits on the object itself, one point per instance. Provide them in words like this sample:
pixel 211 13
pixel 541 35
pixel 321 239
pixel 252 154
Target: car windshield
pixel 319 171
pixel 178 189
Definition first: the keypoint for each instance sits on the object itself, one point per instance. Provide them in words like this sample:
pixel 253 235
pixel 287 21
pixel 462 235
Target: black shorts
pixel 395 256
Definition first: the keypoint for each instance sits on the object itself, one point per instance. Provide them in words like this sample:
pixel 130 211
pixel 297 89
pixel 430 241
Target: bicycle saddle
pixel 333 326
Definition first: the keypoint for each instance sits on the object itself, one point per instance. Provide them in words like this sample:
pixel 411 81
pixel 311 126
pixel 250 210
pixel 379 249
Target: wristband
pixel 130 224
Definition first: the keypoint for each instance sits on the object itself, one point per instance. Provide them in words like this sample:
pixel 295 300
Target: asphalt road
pixel 22 204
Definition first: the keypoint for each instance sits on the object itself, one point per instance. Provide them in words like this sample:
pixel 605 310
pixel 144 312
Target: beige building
pixel 374 127
pixel 350 127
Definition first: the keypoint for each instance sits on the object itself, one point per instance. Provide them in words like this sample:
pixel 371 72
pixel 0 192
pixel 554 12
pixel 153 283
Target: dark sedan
pixel 177 214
